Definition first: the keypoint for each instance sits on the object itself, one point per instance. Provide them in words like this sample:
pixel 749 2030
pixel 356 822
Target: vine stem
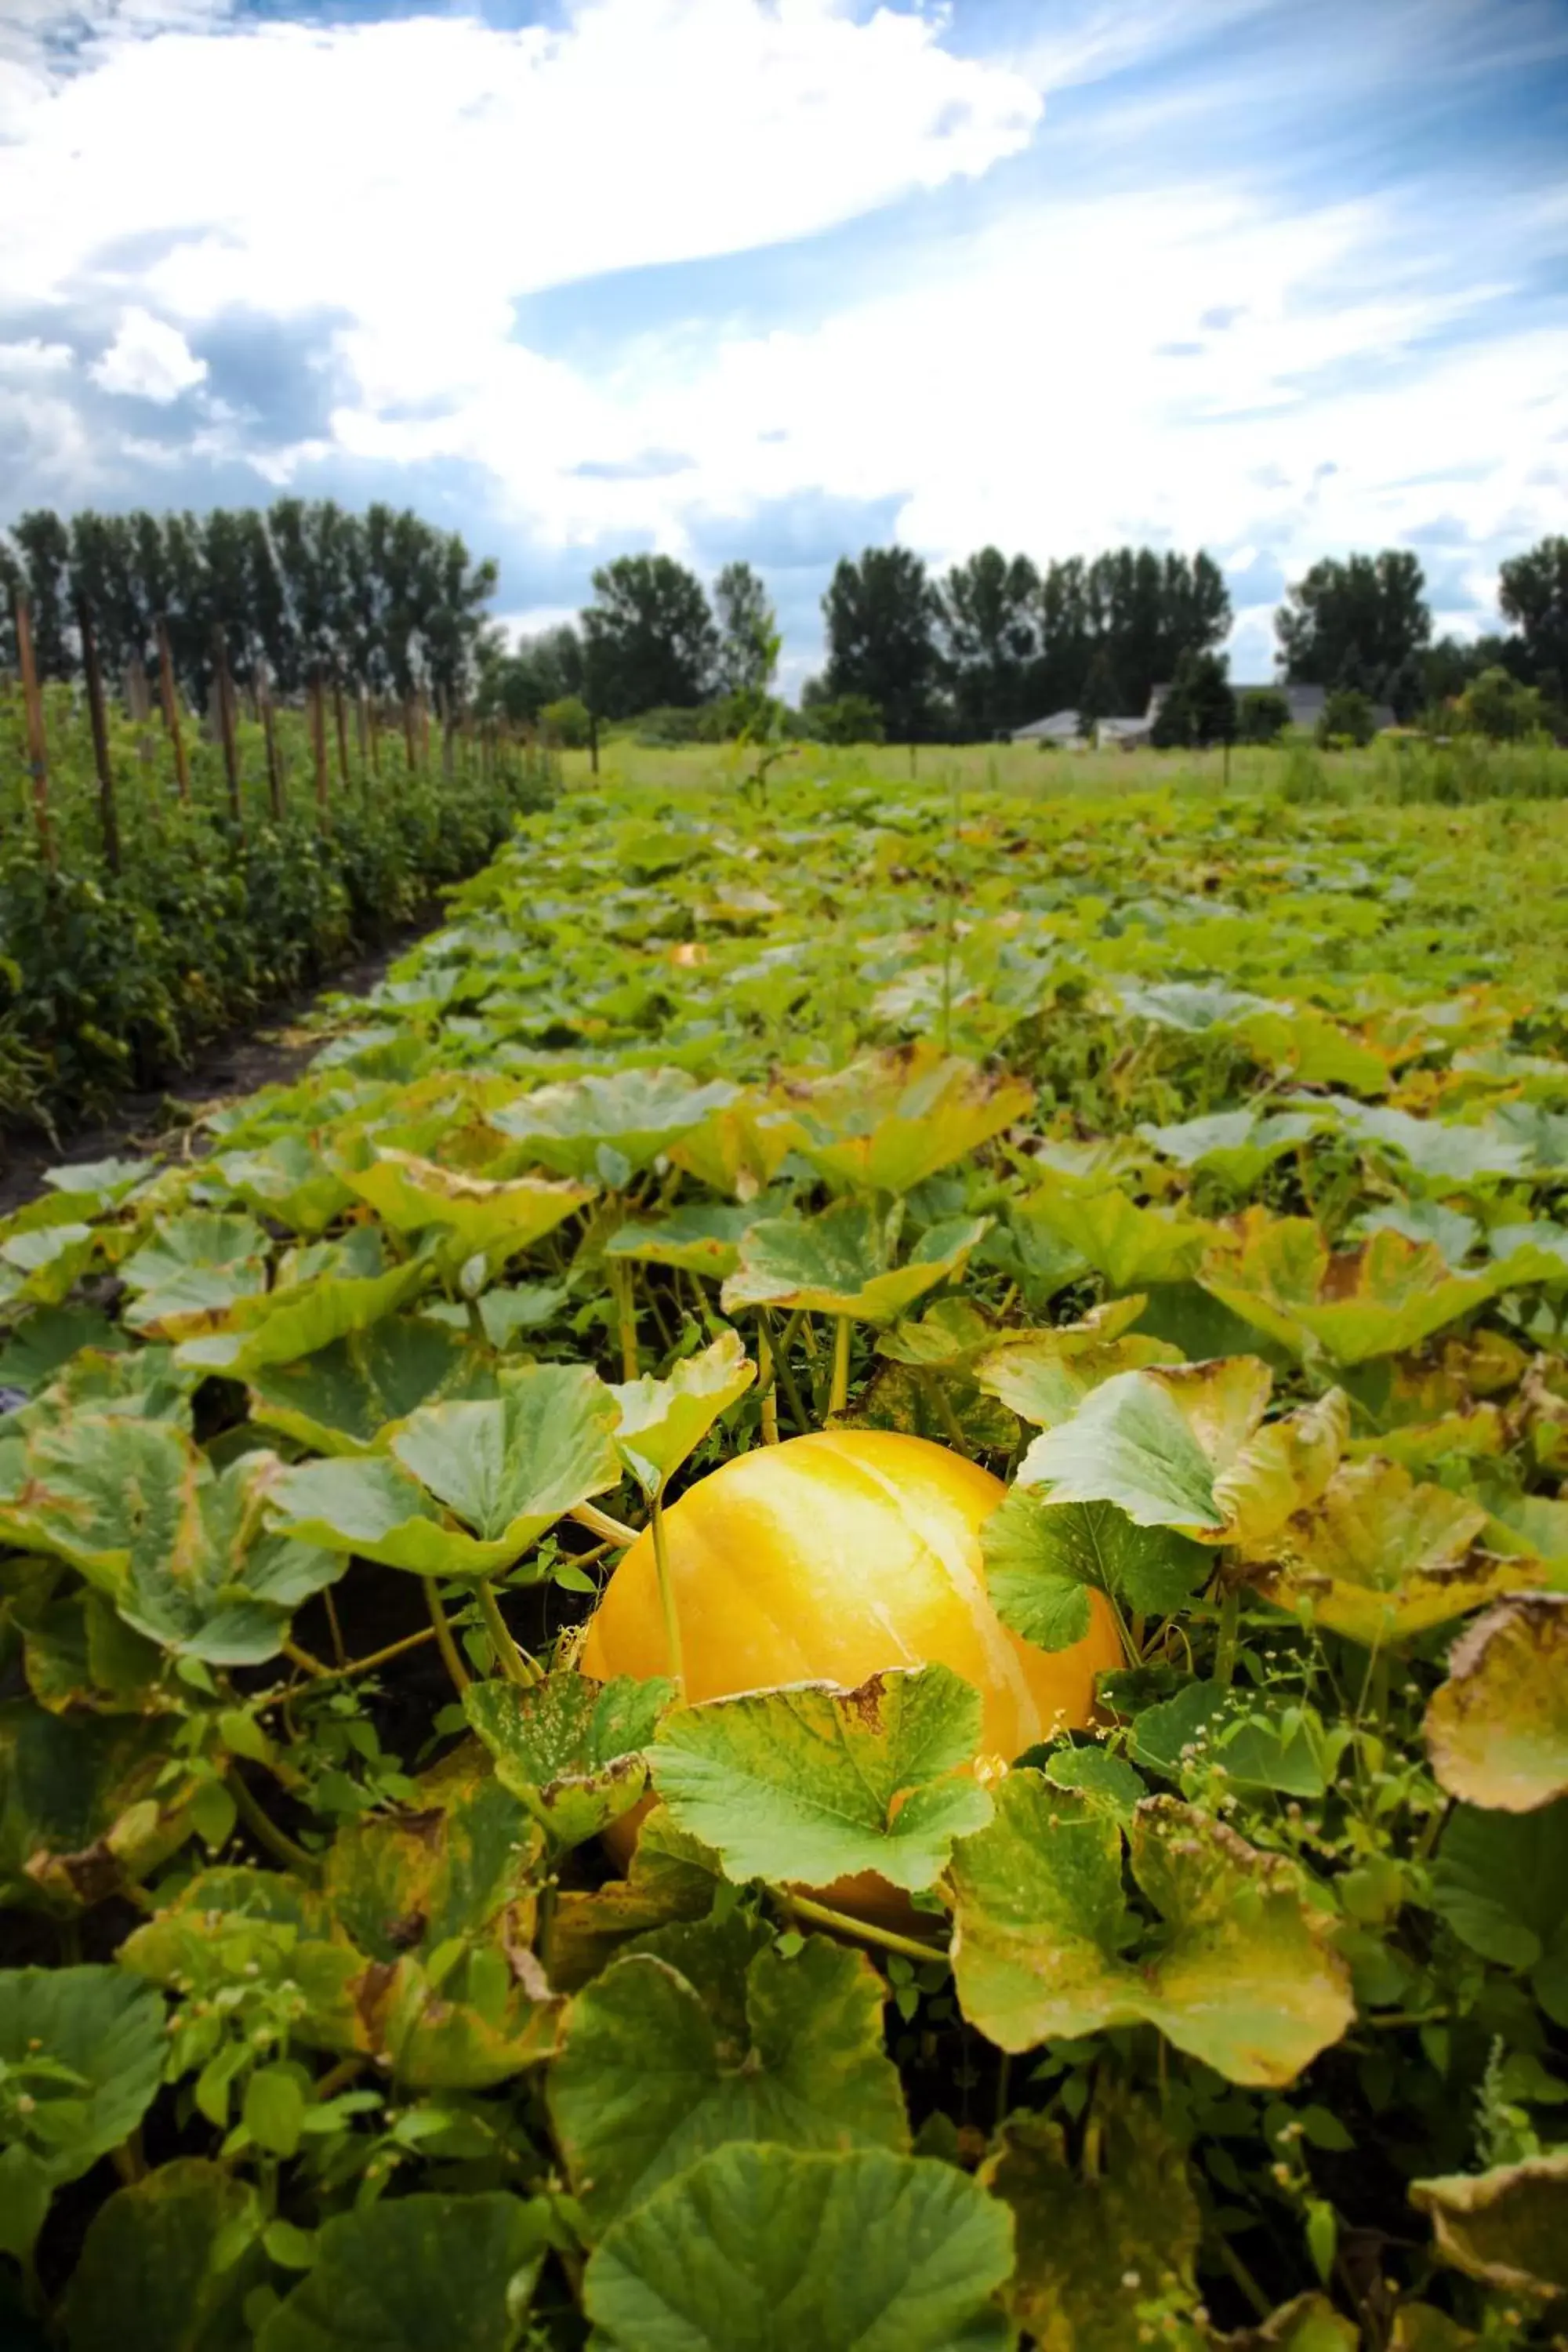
pixel 1229 1625
pixel 805 1907
pixel 767 1386
pixel 625 1319
pixel 838 1386
pixel 599 1523
pixel 514 1665
pixel 783 1373
pixel 666 1597
pixel 265 1830
pixel 455 1667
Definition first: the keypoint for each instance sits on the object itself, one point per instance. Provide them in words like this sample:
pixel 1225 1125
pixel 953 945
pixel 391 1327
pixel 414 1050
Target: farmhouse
pixel 1064 728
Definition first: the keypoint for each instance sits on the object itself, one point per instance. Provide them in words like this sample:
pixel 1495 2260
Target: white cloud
pixel 34 359
pixel 148 359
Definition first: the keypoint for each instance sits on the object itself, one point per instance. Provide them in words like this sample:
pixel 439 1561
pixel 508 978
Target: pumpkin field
pixel 825 1605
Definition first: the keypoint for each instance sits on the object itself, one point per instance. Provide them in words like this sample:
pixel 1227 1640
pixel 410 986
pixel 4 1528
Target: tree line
pixel 383 598
pixel 989 646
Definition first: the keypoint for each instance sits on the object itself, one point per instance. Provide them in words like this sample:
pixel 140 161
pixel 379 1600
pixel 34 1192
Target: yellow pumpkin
pixel 833 1558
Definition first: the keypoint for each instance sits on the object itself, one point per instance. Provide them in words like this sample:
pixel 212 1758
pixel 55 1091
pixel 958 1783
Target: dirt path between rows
pixel 237 1063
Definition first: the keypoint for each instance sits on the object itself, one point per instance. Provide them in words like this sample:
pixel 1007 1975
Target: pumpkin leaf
pixel 672 1876
pixel 1385 1295
pixel 355 1395
pixel 189 1275
pixel 87 1804
pixel 663 1421
pixel 1131 1246
pixel 1507 2227
pixel 1043 1559
pixel 498 1218
pixel 81 2057
pixel 1497 1731
pixel 1381 1556
pixel 1187 1446
pixel 766 2248
pixel 1501 1881
pixel 182 2248
pixel 508 1467
pixel 287 1179
pixel 1243 1975
pixel 841 1262
pixel 572 1749
pixel 707 2036
pixel 1094 2246
pixel 633 1114
pixel 419 2274
pixel 1045 1377
pixel 809 1784
pixel 892 1120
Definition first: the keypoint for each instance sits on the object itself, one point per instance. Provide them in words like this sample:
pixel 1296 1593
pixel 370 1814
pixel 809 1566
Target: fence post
pixel 593 743
pixel 262 688
pixel 408 732
pixel 38 744
pixel 172 709
pixel 318 703
pixel 340 717
pixel 373 729
pixel 109 813
pixel 224 685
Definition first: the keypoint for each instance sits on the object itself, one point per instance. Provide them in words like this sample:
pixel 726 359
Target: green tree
pixel 1348 717
pixel 881 614
pixel 544 668
pixel 847 719
pixel 44 543
pixel 1200 707
pixel 1262 715
pixel 1497 705
pixel 1534 596
pixel 1101 695
pixel 989 623
pixel 1354 622
pixel 748 632
pixel 648 637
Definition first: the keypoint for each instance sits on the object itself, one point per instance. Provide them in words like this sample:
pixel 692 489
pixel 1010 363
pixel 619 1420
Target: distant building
pixel 1065 728
pixel 1062 728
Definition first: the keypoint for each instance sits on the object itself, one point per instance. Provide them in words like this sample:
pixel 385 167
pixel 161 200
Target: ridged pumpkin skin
pixel 832 1558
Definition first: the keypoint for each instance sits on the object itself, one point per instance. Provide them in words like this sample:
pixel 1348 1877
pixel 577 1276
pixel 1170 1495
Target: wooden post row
pixel 38 745
pixel 340 717
pixel 172 709
pixel 263 691
pixel 225 726
pixel 109 813
pixel 318 701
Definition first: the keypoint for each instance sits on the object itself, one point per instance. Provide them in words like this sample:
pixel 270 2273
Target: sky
pixel 784 278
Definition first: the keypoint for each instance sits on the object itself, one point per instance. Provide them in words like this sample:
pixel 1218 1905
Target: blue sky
pixel 782 278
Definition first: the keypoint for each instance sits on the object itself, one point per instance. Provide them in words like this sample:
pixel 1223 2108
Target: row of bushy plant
pixel 110 981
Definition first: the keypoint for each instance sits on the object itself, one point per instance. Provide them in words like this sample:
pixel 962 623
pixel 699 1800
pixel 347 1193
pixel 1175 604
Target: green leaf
pixel 355 1395
pixel 1380 1556
pixel 769 2249
pixel 841 1262
pixel 86 1803
pixel 47 1263
pixel 708 2036
pixel 637 1113
pixel 447 1867
pixel 572 1749
pixel 39 1347
pixel 1242 1976
pixel 672 1876
pixel 1500 1880
pixel 1108 1783
pixel 663 1421
pixel 420 2274
pixel 189 1275
pixel 1186 1446
pixel 891 1119
pixel 1094 2245
pixel 322 1293
pixel 1507 2227
pixel 81 2056
pixel 1388 1295
pixel 261 1931
pixel 500 1218
pixel 181 2249
pixel 1131 1246
pixel 289 1181
pixel 702 1239
pixel 1042 1561
pixel 510 1467
pixel 1237 1146
pixel 1497 1731
pixel 1241 1731
pixel 1043 1377
pixel 810 1784
pixel 274 2110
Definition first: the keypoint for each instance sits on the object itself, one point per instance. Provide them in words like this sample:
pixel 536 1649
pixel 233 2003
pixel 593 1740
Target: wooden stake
pixel 109 813
pixel 373 726
pixel 263 691
pixel 37 743
pixel 318 701
pixel 138 694
pixel 172 709
pixel 341 716
pixel 226 727
pixel 408 732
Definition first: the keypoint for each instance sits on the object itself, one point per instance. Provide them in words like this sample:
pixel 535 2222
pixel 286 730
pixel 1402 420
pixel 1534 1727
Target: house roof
pixel 1060 727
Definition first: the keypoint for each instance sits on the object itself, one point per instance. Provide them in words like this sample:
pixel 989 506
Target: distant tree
pixel 881 644
pixel 1534 596
pixel 566 722
pixel 648 637
pixel 1200 707
pixel 1497 705
pixel 988 622
pixel 1066 647
pixel 748 632
pixel 1356 623
pixel 44 544
pixel 846 719
pixel 544 668
pixel 1348 717
pixel 1101 695
pixel 1262 715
